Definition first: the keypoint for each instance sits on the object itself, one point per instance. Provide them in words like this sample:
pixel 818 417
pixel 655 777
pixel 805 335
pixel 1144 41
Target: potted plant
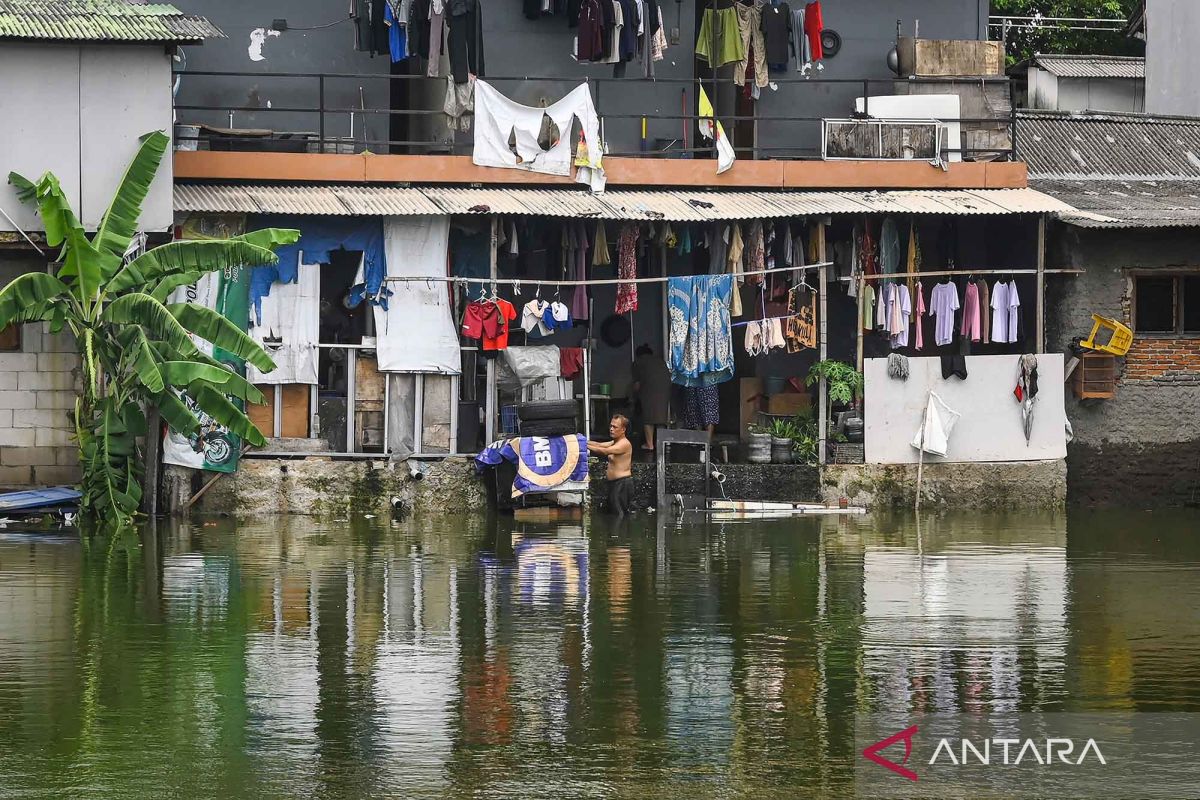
pixel 758 445
pixel 783 434
pixel 843 384
pixel 806 441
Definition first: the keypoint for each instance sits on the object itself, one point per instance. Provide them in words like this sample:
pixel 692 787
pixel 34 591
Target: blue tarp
pixel 319 237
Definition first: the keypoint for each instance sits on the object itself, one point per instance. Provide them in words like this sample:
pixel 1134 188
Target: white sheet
pixel 938 422
pixel 417 332
pixel 291 314
pixel 496 117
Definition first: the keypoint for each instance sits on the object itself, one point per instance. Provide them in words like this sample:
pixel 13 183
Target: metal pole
pixel 823 395
pixel 1041 284
pixel 351 396
pixel 489 426
pixel 587 391
pixel 321 114
pixel 418 413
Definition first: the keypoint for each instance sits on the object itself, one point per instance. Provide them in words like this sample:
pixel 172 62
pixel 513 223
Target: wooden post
pixel 862 287
pixel 823 343
pixel 1041 284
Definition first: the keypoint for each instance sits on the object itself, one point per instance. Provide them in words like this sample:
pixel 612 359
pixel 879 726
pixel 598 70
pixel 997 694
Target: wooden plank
pixel 263 414
pixel 295 416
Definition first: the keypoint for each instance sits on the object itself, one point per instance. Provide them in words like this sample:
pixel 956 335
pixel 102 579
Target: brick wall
pixel 37 399
pixel 1152 358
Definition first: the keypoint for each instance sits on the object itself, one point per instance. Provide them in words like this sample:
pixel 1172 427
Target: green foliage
pixel 136 351
pixel 843 382
pixel 1021 43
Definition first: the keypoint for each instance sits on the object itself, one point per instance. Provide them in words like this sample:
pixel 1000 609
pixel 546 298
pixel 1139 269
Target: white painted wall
pixel 923 106
pixel 78 111
pixel 1172 58
pixel 990 426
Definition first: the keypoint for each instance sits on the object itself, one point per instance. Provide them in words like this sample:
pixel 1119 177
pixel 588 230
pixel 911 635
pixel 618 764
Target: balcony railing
pixel 330 113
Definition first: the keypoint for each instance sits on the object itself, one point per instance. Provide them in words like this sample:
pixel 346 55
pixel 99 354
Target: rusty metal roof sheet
pixel 669 205
pixel 101 20
pixel 1089 66
pixel 1108 146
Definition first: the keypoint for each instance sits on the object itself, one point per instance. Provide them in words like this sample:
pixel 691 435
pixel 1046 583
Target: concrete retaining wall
pixel 986 486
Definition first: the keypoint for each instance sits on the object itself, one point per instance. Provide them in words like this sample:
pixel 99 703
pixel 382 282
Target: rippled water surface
pixel 476 657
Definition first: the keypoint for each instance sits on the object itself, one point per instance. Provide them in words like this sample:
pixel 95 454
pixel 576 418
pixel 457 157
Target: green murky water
pixel 486 658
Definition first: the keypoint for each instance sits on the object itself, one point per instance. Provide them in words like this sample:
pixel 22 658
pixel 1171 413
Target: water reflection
pixel 468 657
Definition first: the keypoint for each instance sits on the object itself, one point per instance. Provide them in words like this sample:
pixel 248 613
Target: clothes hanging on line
pixel 627 247
pixel 498 119
pixel 459 105
pixel 465 39
pixel 720 27
pixel 985 311
pixel 701 352
pixel 533 316
pixel 397 34
pixel 764 335
pixel 970 312
pixel 899 314
pixel 570 361
pixel 800 328
pixel 754 48
pixel 701 407
pixel 777 35
pixel 943 302
pixel 1006 304
pixel 920 316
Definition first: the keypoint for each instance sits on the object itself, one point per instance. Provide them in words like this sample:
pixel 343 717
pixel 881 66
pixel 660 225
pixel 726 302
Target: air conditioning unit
pixel 893 140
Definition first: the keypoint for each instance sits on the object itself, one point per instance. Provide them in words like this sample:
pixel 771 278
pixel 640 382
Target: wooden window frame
pixel 1176 276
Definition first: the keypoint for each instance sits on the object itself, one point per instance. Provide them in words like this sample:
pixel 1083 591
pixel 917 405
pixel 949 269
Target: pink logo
pixel 872 752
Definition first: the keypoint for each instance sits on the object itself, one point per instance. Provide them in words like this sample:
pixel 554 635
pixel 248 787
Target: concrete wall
pixel 1172 59
pixel 37 399
pixel 989 428
pixel 329 50
pixel 1142 447
pixel 980 487
pixel 1100 94
pixel 78 112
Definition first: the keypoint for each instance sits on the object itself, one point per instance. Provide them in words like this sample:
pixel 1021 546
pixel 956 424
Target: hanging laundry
pixel 970 315
pixel 719 41
pixel 800 330
pixel 701 353
pixel 755 252
pixel 920 316
pixel 589 41
pixel 985 311
pixel 1026 391
pixel 1015 332
pixel 533 317
pixel 437 36
pixel 868 308
pixel 570 361
pixel 943 302
pixel 600 256
pixel 658 39
pixel 459 105
pixel 889 247
pixel 754 56
pixel 498 119
pixel 777 34
pixel 800 48
pixel 734 262
pixel 901 314
pixel 481 319
pixel 579 298
pixel 627 247
pixel 1005 307
pixel 937 423
pixel 614 27
pixel 881 305
pixel 397 35
pixel 557 316
pixel 466 40
pixel 505 313
pixel 711 128
pixel 813 26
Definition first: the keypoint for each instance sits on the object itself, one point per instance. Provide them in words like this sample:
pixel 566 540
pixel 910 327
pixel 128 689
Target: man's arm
pixel 603 448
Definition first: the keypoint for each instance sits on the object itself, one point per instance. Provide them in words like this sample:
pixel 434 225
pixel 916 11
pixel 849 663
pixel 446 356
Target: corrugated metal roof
pixel 101 20
pixel 1109 146
pixel 1075 66
pixel 672 205
pixel 1128 204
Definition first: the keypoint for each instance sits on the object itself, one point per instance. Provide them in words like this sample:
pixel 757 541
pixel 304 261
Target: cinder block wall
pixel 38 386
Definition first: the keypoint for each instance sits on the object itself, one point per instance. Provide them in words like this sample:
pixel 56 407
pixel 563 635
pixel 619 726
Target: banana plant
pixel 136 349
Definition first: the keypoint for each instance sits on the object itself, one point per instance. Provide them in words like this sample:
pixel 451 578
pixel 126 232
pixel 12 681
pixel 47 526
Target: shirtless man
pixel 619 474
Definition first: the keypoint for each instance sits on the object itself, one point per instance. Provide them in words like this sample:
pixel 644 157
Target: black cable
pixel 320 27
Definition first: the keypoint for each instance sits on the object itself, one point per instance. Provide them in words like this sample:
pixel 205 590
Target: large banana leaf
pixel 197 255
pixel 187 373
pixel 218 406
pixel 142 309
pixel 143 361
pixel 270 237
pixel 53 206
pixel 163 289
pixel 28 297
pixel 212 327
pixel 176 413
pixel 120 221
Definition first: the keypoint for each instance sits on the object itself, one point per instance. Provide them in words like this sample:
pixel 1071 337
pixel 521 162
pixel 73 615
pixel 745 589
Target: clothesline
pixel 764 319
pixel 593 281
pixel 951 272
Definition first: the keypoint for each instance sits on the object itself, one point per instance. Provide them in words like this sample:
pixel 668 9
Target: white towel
pixel 937 423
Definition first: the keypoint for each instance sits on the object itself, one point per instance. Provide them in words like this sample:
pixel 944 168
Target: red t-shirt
pixel 505 313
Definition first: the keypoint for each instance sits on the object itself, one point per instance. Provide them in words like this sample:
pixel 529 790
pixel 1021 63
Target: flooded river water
pixel 480 657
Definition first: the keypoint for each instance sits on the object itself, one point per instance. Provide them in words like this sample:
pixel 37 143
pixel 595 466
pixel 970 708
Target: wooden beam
pixel 823 343
pixel 1041 284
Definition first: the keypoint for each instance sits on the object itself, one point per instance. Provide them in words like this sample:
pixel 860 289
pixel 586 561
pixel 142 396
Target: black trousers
pixel 619 496
pixel 465 42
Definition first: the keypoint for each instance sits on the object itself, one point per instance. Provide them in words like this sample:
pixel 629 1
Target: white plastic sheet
pixel 289 327
pixel 934 434
pixel 417 333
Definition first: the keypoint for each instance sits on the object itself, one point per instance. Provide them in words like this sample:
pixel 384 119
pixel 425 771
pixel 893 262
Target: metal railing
pixel 322 121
